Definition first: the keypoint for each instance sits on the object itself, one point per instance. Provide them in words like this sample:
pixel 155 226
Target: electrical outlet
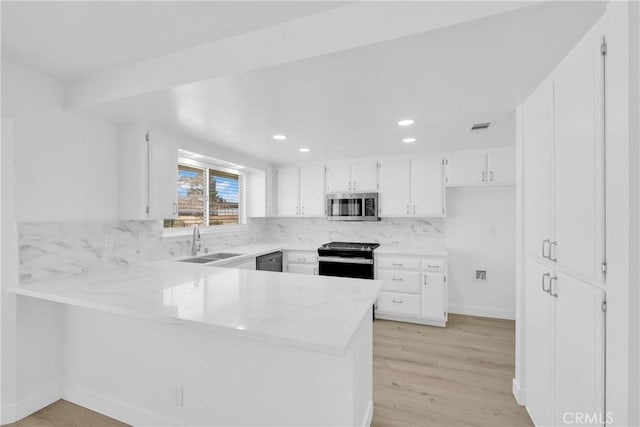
pixel 179 395
pixel 108 240
pixel 481 276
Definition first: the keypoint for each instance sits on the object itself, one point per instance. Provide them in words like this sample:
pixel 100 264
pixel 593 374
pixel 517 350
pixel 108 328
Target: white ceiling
pixel 72 39
pixel 346 104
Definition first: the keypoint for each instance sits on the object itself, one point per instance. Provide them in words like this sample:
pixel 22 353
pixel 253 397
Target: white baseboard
pixel 368 416
pixel 496 313
pixel 45 396
pixel 519 393
pixel 116 408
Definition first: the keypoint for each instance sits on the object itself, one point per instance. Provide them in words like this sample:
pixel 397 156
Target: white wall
pixel 58 166
pixel 480 234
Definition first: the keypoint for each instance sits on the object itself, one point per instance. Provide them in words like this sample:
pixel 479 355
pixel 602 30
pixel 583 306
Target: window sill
pixel 211 230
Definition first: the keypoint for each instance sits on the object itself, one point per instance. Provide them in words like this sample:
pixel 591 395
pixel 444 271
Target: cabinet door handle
pixel 354 185
pixel 425 279
pixel 545 289
pixel 395 301
pixel 414 209
pixel 553 280
pixel 482 176
pixel 349 185
pixel 175 209
pixel 297 210
pixel 552 257
pixel 397 264
pixel 398 279
pixel 302 210
pixel 545 244
pixel 491 176
pixel 432 266
pixel 407 209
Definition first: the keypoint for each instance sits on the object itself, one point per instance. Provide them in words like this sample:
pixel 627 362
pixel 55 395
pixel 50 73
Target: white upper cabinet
pixel 312 198
pixel 427 190
pixel 578 160
pixel 470 168
pixel 466 168
pixel 364 176
pixel 563 161
pixel 339 177
pixel 537 139
pixel 147 173
pixel 287 188
pixel 361 175
pixel 411 187
pixel 395 188
pixel 300 191
pixel 501 166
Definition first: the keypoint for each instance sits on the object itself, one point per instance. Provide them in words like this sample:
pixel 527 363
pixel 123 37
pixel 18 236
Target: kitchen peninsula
pixel 174 343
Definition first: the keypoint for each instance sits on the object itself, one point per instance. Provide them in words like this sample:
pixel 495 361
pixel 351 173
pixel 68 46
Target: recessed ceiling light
pixel 304 150
pixel 279 137
pixel 409 140
pixel 405 122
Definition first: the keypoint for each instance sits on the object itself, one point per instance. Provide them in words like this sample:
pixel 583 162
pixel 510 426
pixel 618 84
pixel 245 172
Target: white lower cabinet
pixel 413 289
pixel 564 329
pixel 301 262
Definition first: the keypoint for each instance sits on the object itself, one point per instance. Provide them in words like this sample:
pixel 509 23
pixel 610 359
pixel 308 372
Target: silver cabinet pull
pixel 407 209
pixel 425 279
pixel 545 244
pixel 350 186
pixel 175 209
pixel 553 280
pixel 414 209
pixel 395 301
pixel 432 266
pixel 482 175
pixel 398 279
pixel 397 264
pixel 297 210
pixel 302 210
pixel 545 289
pixel 491 176
pixel 354 185
pixel 553 257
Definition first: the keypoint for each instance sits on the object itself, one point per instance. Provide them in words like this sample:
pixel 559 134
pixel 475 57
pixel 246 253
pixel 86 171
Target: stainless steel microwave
pixel 352 206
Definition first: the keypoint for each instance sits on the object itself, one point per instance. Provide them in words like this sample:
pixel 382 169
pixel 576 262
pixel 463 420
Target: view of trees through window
pixel 206 197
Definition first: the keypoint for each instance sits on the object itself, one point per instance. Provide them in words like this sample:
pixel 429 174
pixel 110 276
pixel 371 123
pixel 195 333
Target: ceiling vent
pixel 477 127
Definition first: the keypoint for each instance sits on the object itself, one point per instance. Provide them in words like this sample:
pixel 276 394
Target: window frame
pixel 222 228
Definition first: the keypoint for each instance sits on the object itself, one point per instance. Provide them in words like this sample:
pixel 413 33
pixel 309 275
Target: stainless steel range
pixel 347 259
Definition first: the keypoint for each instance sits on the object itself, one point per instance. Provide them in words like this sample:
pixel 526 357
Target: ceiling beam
pixel 346 27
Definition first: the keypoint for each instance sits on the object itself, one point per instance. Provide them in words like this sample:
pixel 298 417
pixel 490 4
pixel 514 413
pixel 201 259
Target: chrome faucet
pixel 195 243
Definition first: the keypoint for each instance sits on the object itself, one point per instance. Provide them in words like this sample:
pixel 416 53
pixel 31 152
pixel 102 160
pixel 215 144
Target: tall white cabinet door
pixel 433 295
pixel 312 199
pixel 537 146
pixel 501 166
pixel 426 186
pixel 466 168
pixel 578 159
pixel 338 177
pixel 579 348
pixel 395 186
pixel 287 180
pixel 539 320
pixel 364 175
pixel 163 178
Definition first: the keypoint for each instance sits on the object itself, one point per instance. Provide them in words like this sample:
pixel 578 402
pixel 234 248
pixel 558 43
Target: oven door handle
pixel 345 260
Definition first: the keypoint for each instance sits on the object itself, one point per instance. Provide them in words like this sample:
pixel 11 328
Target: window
pixel 207 197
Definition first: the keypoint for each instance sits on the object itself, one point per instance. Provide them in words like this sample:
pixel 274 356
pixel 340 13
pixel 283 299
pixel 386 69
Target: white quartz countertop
pixel 317 313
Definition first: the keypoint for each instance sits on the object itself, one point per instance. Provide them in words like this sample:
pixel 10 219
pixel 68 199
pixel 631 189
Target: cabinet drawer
pixel 393 302
pixel 399 263
pixel 302 257
pixel 400 281
pixel 311 269
pixel 433 265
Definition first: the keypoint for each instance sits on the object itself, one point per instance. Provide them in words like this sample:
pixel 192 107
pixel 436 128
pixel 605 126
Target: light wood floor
pixel 455 376
pixel 422 376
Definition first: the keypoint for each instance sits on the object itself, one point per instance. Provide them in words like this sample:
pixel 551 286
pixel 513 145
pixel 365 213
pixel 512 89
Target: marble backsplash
pixel 405 233
pixel 49 249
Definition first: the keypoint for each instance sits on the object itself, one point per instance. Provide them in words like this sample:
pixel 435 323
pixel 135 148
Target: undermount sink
pixel 209 258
